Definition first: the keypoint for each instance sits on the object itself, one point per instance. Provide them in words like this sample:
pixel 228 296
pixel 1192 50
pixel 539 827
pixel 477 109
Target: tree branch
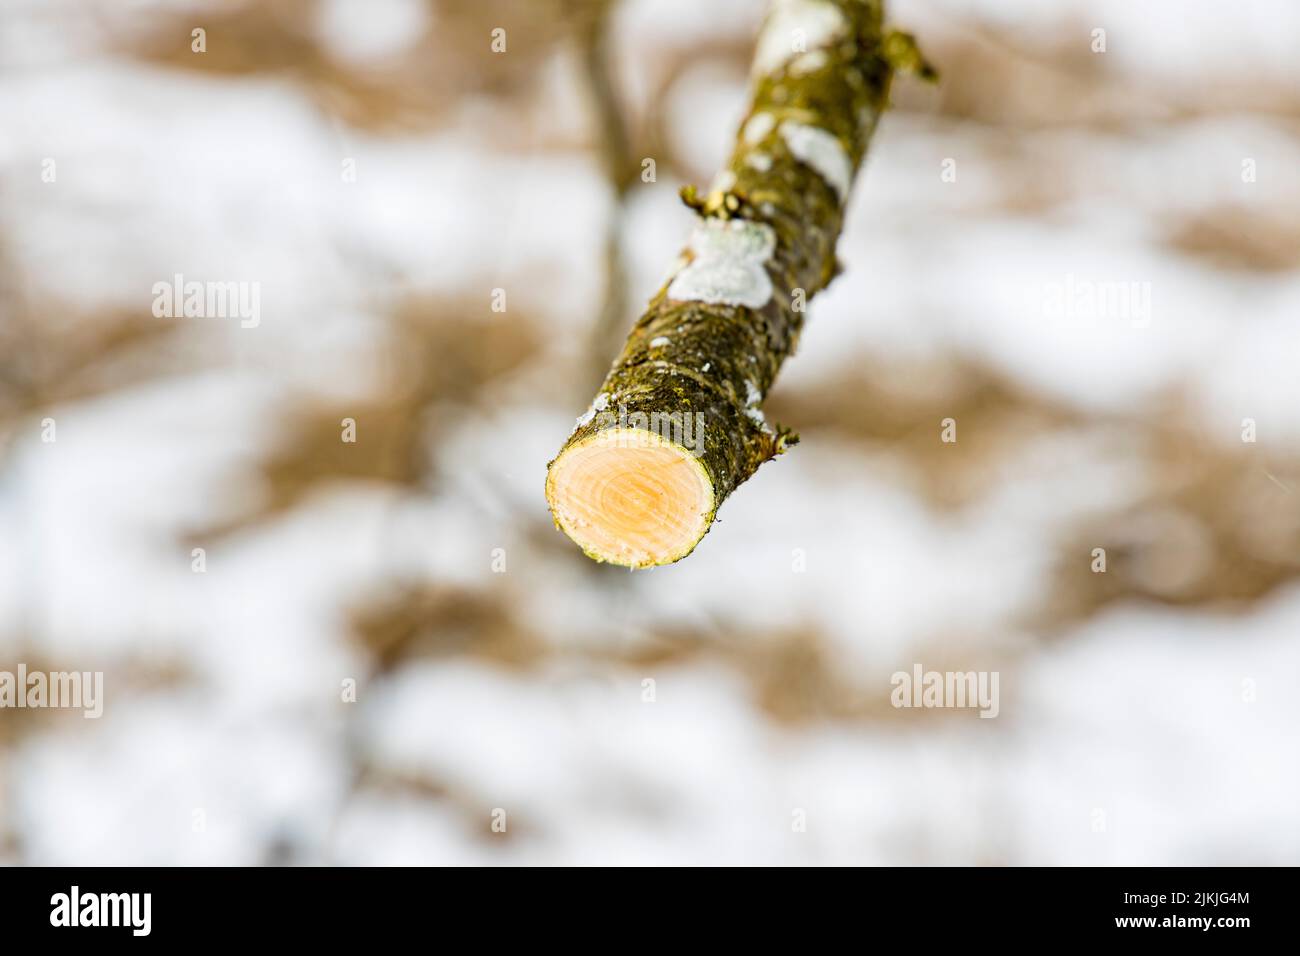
pixel 677 424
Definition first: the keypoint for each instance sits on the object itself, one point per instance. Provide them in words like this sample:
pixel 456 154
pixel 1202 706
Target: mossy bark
pixel 716 354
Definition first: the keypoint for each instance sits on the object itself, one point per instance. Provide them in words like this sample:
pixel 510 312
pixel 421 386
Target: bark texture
pixel 712 340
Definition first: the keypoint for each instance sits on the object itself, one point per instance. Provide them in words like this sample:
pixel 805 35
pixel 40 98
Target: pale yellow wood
pixel 630 497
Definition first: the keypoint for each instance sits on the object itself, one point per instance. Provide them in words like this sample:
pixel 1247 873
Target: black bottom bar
pixel 1226 905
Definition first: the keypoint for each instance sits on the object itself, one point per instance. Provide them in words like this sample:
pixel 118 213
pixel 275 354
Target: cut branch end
pixel 629 496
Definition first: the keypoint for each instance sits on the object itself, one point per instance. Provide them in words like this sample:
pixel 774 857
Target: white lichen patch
pixel 756 130
pixel 759 161
pixel 795 27
pixel 598 404
pixel 815 147
pixel 752 399
pixel 680 263
pixel 729 264
pixel 809 62
pixel 722 182
pixel 659 341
